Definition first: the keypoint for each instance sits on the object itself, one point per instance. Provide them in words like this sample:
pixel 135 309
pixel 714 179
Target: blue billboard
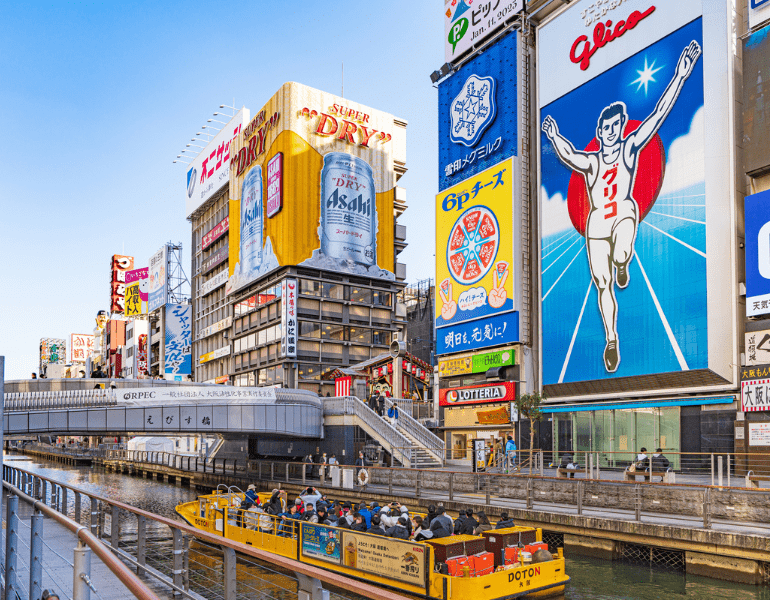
pixel 478 116
pixel 623 229
pixel 757 219
pixel 484 333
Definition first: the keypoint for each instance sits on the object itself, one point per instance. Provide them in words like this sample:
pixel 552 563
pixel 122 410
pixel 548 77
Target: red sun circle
pixel 650 170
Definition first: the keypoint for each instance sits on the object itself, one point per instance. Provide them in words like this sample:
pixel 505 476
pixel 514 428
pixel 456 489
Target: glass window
pixel 252 341
pixel 237 345
pixel 309 288
pixel 263 354
pixel 279 374
pixel 270 375
pixel 272 352
pixel 274 309
pixel 382 298
pixel 262 376
pixel 333 332
pixel 238 326
pixel 278 290
pixel 308 371
pixel 381 338
pixel 252 379
pixel 308 350
pixel 309 329
pixel 331 310
pixel 360 295
pixel 358 354
pixel 253 357
pixel 361 335
pixel 238 362
pixel 358 314
pixel 308 307
pixel 254 319
pixel 333 351
pixel 263 315
pixel 263 337
pixel 380 315
pixel 336 291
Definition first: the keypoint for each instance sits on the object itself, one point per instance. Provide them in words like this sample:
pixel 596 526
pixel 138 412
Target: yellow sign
pixel 386 557
pixel 450 367
pixel 474 247
pixel 134 304
pixel 496 416
pixel 328 200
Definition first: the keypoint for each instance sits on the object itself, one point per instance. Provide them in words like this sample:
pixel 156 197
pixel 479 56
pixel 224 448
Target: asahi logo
pixel 341 201
pixel 249 216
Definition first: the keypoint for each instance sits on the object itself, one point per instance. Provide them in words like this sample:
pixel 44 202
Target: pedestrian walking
pixel 380 404
pixel 510 454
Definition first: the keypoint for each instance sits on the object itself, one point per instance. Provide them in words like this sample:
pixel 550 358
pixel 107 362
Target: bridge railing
pixel 26 401
pixel 159 548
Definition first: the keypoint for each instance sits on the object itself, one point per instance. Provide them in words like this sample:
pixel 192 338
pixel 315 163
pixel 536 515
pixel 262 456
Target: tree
pixel 528 406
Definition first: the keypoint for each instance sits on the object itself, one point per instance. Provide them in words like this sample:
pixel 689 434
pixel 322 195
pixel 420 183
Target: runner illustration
pixel 610 174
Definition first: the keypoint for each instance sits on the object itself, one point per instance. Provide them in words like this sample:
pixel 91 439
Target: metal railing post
pixel 64 502
pixel 598 475
pixel 178 559
pixel 94 521
pixel 452 486
pixel 186 565
pixel 81 573
pixel 638 502
pixel 579 499
pixel 418 487
pixel 719 470
pixel 45 492
pixel 591 465
pixel 488 492
pixel 728 470
pixel 272 472
pixel 530 487
pixel 712 469
pixel 542 460
pixel 12 588
pixel 141 543
pixel 707 508
pixel 287 472
pixel 114 527
pixel 390 482
pixel 229 573
pixel 304 472
pixel 36 556
pixel 77 507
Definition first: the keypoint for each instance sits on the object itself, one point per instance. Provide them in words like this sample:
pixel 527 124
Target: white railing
pixel 18 401
pixel 421 434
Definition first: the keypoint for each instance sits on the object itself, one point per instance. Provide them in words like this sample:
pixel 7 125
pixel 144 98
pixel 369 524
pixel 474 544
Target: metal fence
pixel 183 560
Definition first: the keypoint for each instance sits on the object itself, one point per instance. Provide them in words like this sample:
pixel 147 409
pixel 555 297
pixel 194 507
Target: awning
pixel 648 404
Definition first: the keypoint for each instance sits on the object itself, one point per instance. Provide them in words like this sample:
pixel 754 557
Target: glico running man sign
pixel 628 195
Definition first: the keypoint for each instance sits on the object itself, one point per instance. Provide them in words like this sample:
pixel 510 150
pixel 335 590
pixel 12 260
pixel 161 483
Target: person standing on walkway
pixel 510 454
pixel 380 404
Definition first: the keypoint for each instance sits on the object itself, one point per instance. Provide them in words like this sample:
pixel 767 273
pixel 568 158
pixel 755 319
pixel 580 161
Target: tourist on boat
pixel 365 513
pixel 375 507
pixel 504 521
pixel 466 526
pixel 346 519
pixel 300 506
pixel 287 521
pixel 266 520
pixel 420 530
pixel 310 495
pixel 310 514
pixel 430 516
pixel 376 527
pixel 251 493
pixel 323 516
pixel 441 525
pixel 659 462
pixel 399 530
pixel 359 523
pixel 388 517
pixel 405 513
pixel 251 516
pixel 484 524
pixel 277 505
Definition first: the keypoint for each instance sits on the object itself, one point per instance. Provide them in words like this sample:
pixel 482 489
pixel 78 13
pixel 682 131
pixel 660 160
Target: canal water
pixel 590 579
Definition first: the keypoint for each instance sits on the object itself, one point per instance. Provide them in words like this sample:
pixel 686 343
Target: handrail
pixel 392 435
pixel 417 430
pixel 121 571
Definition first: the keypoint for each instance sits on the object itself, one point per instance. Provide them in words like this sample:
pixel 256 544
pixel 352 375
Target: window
pixel 382 298
pixel 358 314
pixel 381 338
pixel 308 371
pixel 254 320
pixel 333 351
pixel 275 309
pixel 333 332
pixel 331 310
pixel 254 357
pixel 360 295
pixel 237 362
pixel 309 288
pixel 361 335
pixel 336 291
pixel 380 315
pixel 308 308
pixel 308 350
pixel 358 354
pixel 262 376
pixel 262 341
pixel 272 352
pixel 252 341
pixel 237 345
pixel 309 329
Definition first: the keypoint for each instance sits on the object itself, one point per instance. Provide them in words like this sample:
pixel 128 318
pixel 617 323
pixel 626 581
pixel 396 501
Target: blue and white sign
pixel 494 331
pixel 757 218
pixel 478 115
pixel 473 110
pixel 178 354
pixel 759 12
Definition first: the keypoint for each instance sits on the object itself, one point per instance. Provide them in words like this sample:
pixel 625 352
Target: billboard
pixel 757 345
pixel 53 351
pixel 210 170
pixel 157 289
pixel 331 195
pixel 178 347
pixel 478 362
pixel 81 346
pixel 478 394
pixel 757 223
pixel 475 268
pixel 216 232
pixel 137 283
pixel 467 23
pixel 756 100
pixel 289 323
pixel 478 113
pixel 759 12
pixel 628 194
pixel 119 265
pixel 755 388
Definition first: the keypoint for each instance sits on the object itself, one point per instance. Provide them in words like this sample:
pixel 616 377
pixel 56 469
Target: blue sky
pixel 99 98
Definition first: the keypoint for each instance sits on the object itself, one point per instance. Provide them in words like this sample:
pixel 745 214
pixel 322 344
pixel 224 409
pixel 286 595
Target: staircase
pixel 410 443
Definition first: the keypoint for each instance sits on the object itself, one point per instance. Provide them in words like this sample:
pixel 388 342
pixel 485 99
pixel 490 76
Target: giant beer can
pixel 251 220
pixel 348 209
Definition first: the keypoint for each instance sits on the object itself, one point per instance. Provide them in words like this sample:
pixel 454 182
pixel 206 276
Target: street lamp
pixel 215 121
pixel 210 127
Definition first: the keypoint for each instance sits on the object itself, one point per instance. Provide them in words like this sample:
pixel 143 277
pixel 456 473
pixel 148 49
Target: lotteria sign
pixel 478 394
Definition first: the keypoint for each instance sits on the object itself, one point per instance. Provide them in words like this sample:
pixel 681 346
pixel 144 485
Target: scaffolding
pixel 420 333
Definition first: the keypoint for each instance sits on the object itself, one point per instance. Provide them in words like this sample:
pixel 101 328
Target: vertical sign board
pixel 275 185
pixel 178 356
pixel 210 171
pixel 119 266
pixel 757 252
pixel 53 351
pixel 81 346
pixel 467 23
pixel 630 283
pixel 289 318
pixel 136 292
pixel 157 290
pixel 759 12
pixel 757 347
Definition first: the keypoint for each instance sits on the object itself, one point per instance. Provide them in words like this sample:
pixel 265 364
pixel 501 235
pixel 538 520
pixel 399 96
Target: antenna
pixel 343 80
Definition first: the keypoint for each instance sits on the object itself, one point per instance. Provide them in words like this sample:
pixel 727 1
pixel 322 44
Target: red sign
pixel 215 233
pixel 478 394
pixel 81 346
pixel 604 33
pixel 120 264
pixel 275 185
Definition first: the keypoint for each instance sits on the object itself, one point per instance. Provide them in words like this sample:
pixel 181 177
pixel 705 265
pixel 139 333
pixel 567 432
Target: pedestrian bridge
pixel 74 407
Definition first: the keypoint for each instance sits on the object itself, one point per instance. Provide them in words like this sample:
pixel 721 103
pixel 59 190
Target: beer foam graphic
pixel 319 260
pixel 269 263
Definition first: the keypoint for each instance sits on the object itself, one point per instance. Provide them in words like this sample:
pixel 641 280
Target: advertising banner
pixel 757 223
pixel 289 318
pixel 755 395
pixel 217 281
pixel 755 65
pixel 53 351
pixel 475 269
pixel 119 265
pixel 476 363
pixel 191 394
pixel 757 347
pixel 337 184
pixel 478 114
pixel 135 305
pixel 178 356
pixel 141 355
pixel 215 233
pixel 492 331
pixel 478 394
pixel 216 327
pixel 321 543
pixel 386 557
pixel 214 260
pixel 467 24
pixel 759 12
pixel 157 289
pixel 628 192
pixel 81 346
pixel 210 170
pixel 219 353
